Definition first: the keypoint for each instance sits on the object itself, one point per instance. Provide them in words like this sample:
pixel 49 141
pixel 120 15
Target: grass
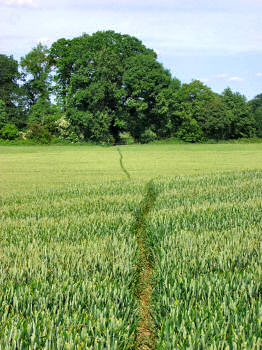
pixel 77 238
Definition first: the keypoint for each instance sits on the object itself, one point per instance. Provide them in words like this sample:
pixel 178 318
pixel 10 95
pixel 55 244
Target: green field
pixel 77 238
pixel 34 167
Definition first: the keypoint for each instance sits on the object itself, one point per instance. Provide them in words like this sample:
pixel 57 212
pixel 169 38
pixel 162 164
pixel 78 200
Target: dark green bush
pixel 9 132
pixel 190 131
pixel 148 136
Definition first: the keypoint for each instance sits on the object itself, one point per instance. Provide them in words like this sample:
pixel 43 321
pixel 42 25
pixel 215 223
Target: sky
pixel 216 41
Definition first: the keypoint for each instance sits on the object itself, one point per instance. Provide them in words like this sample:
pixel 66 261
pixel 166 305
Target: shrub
pixel 125 138
pixel 9 132
pixel 39 133
pixel 190 131
pixel 50 123
pixel 148 136
pixel 66 132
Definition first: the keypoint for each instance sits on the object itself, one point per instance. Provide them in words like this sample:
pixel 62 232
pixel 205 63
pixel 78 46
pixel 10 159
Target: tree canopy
pixel 106 86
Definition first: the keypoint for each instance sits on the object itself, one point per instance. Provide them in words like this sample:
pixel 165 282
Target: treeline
pixel 110 88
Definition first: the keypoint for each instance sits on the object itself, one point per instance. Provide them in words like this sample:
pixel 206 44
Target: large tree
pixel 108 83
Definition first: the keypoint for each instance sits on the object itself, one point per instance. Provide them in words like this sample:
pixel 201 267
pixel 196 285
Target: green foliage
pixel 125 138
pixel 65 131
pixel 147 84
pixel 9 132
pixel 242 120
pixel 50 122
pixel 38 133
pixel 258 121
pixel 89 126
pixel 190 131
pixel 195 92
pixel 3 114
pixel 107 83
pixel 164 110
pixel 37 76
pixel 256 107
pixel 214 119
pixel 39 111
pixel 10 92
pixel 9 76
pixel 189 102
pixel 148 136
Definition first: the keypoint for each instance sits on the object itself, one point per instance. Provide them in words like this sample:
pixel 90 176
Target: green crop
pixel 67 269
pixel 204 236
pixel 77 235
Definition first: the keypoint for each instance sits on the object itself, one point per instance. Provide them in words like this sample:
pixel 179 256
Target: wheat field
pixel 78 238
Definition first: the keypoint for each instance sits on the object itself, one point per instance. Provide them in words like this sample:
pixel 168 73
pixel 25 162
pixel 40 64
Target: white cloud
pixel 19 3
pixel 259 74
pixel 236 79
pixel 221 76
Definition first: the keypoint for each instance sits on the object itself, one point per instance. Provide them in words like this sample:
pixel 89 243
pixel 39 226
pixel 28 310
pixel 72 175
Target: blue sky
pixel 216 41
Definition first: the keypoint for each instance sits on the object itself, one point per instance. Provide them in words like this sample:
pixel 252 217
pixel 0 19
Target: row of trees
pixel 109 87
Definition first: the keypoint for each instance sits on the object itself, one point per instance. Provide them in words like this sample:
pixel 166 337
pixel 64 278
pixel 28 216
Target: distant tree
pixel 146 83
pixel 165 109
pixel 38 86
pixel 242 120
pixel 9 76
pixel 214 119
pixel 37 75
pixel 110 88
pixel 190 101
pixel 190 131
pixel 10 92
pixel 256 108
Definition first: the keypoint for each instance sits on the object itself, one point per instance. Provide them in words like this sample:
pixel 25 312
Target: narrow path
pixel 144 331
pixel 122 165
pixel 144 336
